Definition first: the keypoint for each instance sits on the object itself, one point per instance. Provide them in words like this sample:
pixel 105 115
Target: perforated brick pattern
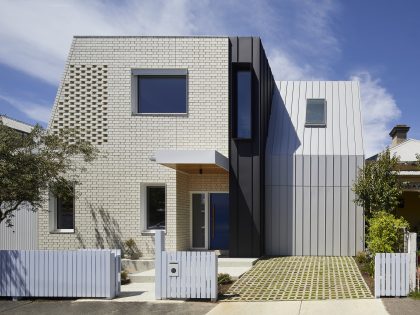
pixel 82 105
pixel 300 278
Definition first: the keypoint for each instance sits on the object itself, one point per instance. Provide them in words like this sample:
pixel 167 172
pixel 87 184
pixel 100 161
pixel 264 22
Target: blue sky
pixel 376 42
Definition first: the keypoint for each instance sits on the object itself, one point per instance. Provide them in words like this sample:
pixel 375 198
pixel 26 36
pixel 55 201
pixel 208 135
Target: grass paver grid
pixel 300 278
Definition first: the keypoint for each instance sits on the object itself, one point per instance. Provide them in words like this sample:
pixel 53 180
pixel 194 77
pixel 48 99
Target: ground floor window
pixel 62 213
pixel 153 207
pixel 156 207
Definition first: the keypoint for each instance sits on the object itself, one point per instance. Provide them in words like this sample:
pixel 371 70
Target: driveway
pixel 300 278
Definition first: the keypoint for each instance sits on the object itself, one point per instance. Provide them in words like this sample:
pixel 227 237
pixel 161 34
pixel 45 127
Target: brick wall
pixel 109 202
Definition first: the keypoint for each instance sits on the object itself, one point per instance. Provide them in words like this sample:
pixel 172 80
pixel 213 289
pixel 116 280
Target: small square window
pixel 315 113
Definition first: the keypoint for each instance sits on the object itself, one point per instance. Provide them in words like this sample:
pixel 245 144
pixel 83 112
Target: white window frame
pixel 53 215
pixel 143 207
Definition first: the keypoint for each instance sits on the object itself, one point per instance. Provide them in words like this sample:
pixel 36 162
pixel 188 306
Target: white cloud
pixel 298 36
pixel 285 68
pixel 33 110
pixel 379 111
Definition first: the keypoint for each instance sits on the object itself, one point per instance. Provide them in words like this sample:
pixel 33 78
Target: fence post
pixel 412 251
pixel 159 248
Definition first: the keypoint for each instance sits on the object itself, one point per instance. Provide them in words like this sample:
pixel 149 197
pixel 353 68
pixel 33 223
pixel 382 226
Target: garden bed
pixel 370 281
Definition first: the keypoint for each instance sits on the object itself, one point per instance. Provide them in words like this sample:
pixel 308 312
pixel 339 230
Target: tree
pixel 33 163
pixel 377 187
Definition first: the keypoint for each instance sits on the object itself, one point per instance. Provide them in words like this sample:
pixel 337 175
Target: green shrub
pixel 131 249
pixel 362 258
pixel 124 277
pixel 414 295
pixel 224 278
pixel 385 233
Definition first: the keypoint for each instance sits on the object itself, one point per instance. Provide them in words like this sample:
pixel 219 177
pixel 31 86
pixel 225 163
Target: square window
pixel 160 91
pixel 154 214
pixel 315 113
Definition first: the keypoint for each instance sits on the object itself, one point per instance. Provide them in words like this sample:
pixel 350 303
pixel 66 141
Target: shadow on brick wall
pixel 107 230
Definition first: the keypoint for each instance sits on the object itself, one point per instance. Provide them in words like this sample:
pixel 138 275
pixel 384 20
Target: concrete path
pixel 325 307
pixel 298 278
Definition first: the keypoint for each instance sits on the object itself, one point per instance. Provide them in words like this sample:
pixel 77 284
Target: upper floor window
pixel 243 104
pixel 161 91
pixel 316 112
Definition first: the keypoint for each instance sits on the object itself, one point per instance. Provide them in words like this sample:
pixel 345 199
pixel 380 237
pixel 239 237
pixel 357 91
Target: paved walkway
pixel 325 307
pixel 300 278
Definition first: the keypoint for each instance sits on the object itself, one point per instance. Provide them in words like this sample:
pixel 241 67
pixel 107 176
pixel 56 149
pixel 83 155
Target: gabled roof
pixel 16 124
pixel 406 150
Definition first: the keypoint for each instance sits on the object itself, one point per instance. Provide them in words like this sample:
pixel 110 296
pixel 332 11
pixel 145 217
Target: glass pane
pixel 156 208
pixel 65 213
pixel 199 220
pixel 243 106
pixel 315 111
pixel 163 94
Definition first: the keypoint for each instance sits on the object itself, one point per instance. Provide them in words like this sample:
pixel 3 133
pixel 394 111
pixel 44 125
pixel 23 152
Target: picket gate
pixel 184 274
pixel 392 274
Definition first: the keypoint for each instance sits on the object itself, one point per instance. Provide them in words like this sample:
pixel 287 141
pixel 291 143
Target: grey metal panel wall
pixel 317 171
pixel 24 232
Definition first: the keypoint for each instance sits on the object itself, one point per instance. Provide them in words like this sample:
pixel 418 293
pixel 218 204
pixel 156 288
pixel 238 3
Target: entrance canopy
pixel 194 161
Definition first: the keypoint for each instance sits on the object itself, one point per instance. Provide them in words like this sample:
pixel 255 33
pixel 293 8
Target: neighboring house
pixel 23 234
pixel 183 127
pixel 409 174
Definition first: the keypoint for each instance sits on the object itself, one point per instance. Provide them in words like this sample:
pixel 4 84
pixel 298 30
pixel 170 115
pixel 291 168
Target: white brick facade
pixel 108 208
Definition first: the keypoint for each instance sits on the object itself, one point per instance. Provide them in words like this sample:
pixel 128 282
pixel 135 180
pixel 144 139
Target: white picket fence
pixel 395 273
pixel 184 274
pixel 60 273
pixel 392 274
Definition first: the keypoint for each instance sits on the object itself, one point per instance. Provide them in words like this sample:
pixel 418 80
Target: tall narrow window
pixel 62 213
pixel 243 106
pixel 65 213
pixel 315 112
pixel 156 207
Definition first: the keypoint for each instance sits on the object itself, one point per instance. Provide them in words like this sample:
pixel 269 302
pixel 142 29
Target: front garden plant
pixel 378 191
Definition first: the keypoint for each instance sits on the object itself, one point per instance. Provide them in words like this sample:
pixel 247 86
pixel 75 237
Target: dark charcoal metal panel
pixel 234 49
pixel 247 157
pixel 245 49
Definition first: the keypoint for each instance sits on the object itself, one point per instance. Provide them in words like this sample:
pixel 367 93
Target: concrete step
pixel 143 277
pixel 139 265
pixel 236 262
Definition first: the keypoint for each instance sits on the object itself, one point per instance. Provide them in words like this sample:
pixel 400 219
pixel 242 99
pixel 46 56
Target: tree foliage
pixel 377 187
pixel 31 164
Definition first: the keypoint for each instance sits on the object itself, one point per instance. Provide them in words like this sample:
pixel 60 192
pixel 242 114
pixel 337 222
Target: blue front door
pixel 219 221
